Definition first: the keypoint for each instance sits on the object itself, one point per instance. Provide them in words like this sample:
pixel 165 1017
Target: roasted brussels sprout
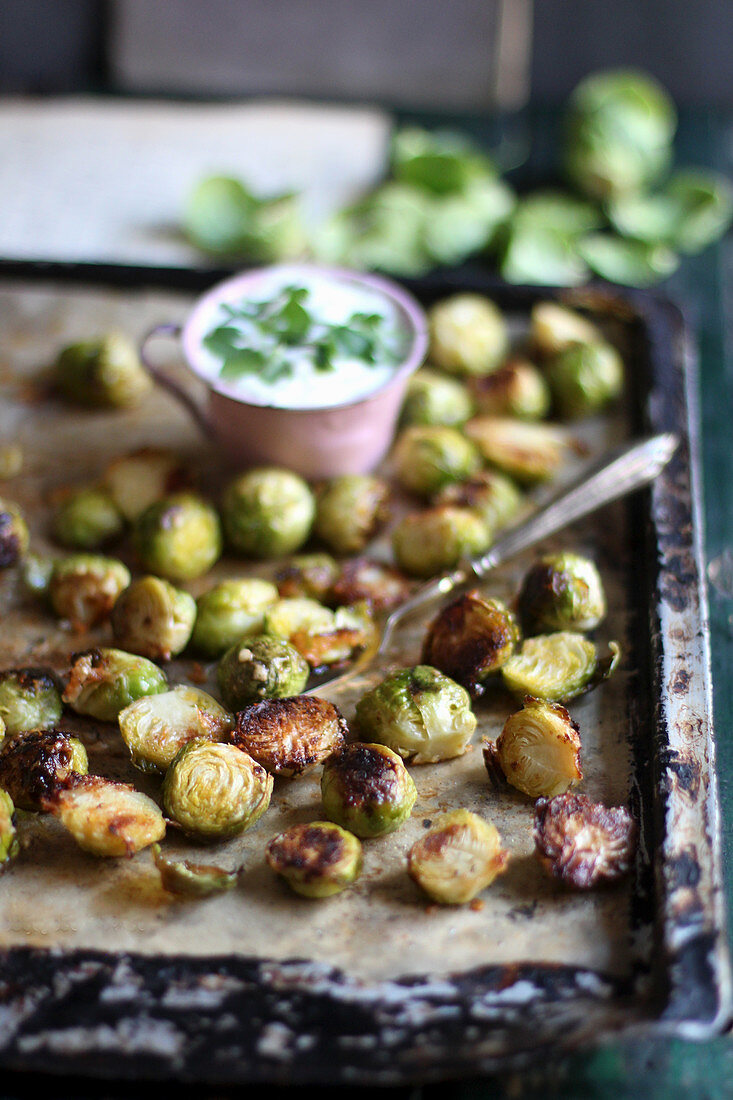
pixel 537 751
pixel 584 379
pixel 140 478
pixel 378 585
pixel 9 846
pixel 561 592
pixel 260 667
pixel 34 765
pixel 516 389
pixel 29 699
pixel 309 575
pixel 102 373
pixel 428 457
pixel 558 666
pixel 155 727
pixel 492 496
pixel 192 880
pixel 14 534
pixel 367 789
pixel 323 637
pixel 419 713
pixel 102 682
pixel 35 574
pixel 84 588
pixel 581 842
pixel 215 791
pixel 107 818
pixel 179 537
pixel 290 736
pixel 471 639
pixel 429 542
pixel 457 858
pixel 435 398
pixel 553 328
pixel 87 518
pixel 316 860
pixel 530 453
pixel 351 510
pixel 267 512
pixel 153 618
pixel 287 617
pixel 230 610
pixel 468 335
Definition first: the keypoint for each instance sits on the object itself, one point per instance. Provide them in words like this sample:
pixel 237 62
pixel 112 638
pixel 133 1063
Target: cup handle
pixel 171 384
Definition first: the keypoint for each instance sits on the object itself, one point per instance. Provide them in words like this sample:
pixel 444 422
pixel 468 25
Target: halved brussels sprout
pixel 178 537
pixel 84 588
pixel 516 389
pixel 316 860
pixel 468 334
pixel 530 453
pixel 492 495
pixel 323 637
pixel 585 378
pixel 457 858
pixel 267 512
pixel 419 713
pixel 435 398
pixel 351 510
pixel 561 592
pixel 192 880
pixel 558 666
pixel 581 842
pixel 153 618
pixel 14 534
pixel 140 478
pixel 428 457
pixel 107 818
pixel 87 518
pixel 230 610
pixel 538 750
pixel 309 575
pixel 30 699
pixel 259 667
pixel 102 373
pixel 9 846
pixel 215 791
pixel 34 765
pixel 553 328
pixel 471 639
pixel 102 682
pixel 290 736
pixel 367 789
pixel 155 727
pixel 378 585
pixel 429 542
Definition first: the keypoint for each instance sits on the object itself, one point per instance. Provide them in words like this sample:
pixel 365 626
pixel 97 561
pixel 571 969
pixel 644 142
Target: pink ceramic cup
pixel 351 438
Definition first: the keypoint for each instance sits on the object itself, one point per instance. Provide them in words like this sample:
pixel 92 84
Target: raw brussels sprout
pixel 84 588
pixel 565 213
pixel 470 639
pixel 309 575
pixel 351 510
pixel 29 700
pixel 316 860
pixel 585 378
pixel 468 335
pixel 693 210
pixel 516 389
pixel 260 667
pixel 34 765
pixel 323 637
pixel 107 818
pixel 215 791
pixel 553 328
pixel 367 789
pixel 583 843
pixel 14 534
pixel 558 666
pixel 155 727
pixel 9 846
pixel 379 586
pixel 441 161
pixel 87 518
pixel 435 398
pixel 35 574
pixel 630 263
pixel 561 592
pixel 492 496
pixel 102 682
pixel 428 457
pixel 267 512
pixel 102 373
pixel 178 537
pixel 223 217
pixel 153 618
pixel 541 255
pixel 290 736
pixel 429 542
pixel 538 750
pixel 419 713
pixel 530 453
pixel 230 610
pixel 457 858
pixel 192 880
pixel 139 479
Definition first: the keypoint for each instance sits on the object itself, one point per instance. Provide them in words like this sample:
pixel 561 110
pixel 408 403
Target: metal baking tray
pixel 102 976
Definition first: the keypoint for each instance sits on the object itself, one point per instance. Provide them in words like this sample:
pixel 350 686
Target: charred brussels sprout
pixel 230 610
pixel 107 818
pixel 561 592
pixel 192 880
pixel 155 727
pixel 429 542
pixel 367 789
pixel 309 575
pixel 137 480
pixel 267 512
pixel 529 453
pixel 434 398
pixel 379 586
pixel 102 682
pixel 351 510
pixel 583 843
pixel 419 713
pixel 260 667
pixel 102 373
pixel 14 535
pixel 426 458
pixel 84 588
pixel 289 736
pixel 538 750
pixel 553 328
pixel 34 765
pixel 153 618
pixel 471 639
pixel 585 378
pixel 179 537
pixel 29 699
pixel 468 335
pixel 86 519
pixel 492 496
pixel 316 860
pixel 516 389
pixel 457 858
pixel 323 637
pixel 558 666
pixel 215 791
pixel 9 846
